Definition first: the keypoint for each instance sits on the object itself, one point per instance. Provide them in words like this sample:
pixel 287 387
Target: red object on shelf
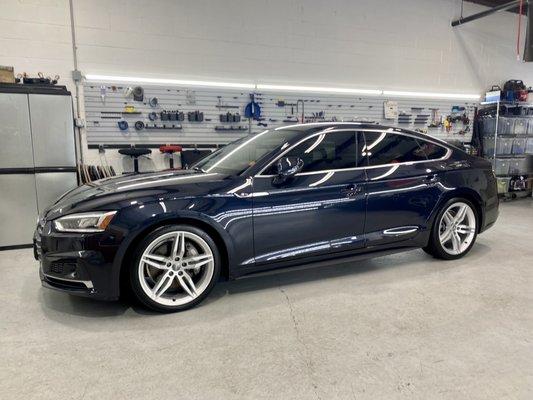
pixel 522 95
pixel 170 148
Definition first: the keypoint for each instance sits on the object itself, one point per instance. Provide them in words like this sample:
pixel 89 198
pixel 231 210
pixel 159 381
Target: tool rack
pixel 106 102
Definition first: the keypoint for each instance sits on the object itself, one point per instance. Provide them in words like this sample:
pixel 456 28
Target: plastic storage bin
pixel 518 166
pixel 519 146
pixel 488 146
pixel 501 166
pixel 506 125
pixel 504 146
pixel 488 125
pixel 503 184
pixel 529 146
pixel 520 126
pixel 530 126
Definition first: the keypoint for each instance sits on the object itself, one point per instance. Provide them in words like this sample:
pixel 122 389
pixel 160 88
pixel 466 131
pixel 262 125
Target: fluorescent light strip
pixel 311 89
pixel 318 89
pixel 395 93
pixel 161 81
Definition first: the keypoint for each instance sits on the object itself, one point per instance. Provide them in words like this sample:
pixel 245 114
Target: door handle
pixel 351 190
pixel 431 179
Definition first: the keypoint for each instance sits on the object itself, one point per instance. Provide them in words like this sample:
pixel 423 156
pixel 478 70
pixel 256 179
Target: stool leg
pixel 136 165
pixel 171 161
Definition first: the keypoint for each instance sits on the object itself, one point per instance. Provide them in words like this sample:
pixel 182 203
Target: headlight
pixel 86 222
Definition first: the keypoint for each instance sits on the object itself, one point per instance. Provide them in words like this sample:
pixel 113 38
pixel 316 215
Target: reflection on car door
pixel 402 187
pixel 321 210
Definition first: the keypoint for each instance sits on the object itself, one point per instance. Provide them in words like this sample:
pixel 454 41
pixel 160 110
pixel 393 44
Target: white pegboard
pixel 340 107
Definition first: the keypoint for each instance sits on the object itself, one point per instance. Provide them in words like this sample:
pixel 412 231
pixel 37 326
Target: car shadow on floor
pixel 86 307
pixel 306 274
pixel 81 306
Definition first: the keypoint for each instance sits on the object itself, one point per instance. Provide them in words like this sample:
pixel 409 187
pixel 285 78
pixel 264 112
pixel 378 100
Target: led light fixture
pixel 286 88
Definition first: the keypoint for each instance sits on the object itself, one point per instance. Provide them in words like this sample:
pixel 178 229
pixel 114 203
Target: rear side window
pixel 333 150
pixel 431 150
pixel 389 148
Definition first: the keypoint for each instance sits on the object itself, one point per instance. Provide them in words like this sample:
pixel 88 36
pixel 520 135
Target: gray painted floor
pixel 403 326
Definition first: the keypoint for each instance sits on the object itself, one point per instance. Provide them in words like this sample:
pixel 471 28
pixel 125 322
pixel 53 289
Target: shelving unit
pixel 507 134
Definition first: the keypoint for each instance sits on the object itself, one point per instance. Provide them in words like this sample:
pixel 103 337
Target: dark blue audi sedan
pixel 303 194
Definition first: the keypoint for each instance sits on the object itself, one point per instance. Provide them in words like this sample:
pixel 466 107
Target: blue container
pixel 510 95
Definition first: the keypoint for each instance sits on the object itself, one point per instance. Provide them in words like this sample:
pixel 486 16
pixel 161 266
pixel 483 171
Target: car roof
pixel 308 128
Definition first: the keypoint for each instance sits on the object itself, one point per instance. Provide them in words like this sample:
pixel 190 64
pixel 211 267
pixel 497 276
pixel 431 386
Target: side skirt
pixel 272 269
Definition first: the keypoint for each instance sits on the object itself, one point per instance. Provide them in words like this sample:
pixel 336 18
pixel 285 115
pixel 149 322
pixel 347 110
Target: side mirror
pixel 287 167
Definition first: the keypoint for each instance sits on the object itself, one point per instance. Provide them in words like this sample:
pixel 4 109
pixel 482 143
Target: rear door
pixel 321 210
pixel 403 186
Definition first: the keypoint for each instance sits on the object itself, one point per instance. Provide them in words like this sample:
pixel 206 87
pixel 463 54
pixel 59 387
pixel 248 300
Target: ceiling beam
pixel 485 13
pixel 494 3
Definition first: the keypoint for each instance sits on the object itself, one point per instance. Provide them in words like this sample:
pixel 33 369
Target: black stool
pixel 135 153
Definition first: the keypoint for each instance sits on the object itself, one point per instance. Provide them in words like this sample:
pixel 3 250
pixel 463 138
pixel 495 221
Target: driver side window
pixel 333 150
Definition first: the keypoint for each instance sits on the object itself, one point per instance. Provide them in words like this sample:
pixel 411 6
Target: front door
pixel 320 210
pixel 402 188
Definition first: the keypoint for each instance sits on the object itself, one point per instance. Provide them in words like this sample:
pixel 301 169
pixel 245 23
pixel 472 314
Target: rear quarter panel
pixel 472 178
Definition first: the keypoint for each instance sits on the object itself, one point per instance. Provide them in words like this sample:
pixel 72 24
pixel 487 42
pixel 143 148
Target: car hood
pixel 141 187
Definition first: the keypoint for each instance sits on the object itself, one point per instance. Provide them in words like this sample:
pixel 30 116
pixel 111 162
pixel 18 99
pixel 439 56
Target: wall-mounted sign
pixel 390 109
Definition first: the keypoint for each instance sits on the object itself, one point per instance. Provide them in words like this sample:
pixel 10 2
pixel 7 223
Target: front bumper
pixel 80 264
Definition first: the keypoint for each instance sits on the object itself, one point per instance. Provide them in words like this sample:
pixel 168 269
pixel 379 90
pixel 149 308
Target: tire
pixel 174 268
pixel 466 230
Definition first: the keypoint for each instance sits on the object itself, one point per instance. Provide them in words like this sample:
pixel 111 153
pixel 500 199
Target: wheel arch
pixel 465 193
pixel 197 222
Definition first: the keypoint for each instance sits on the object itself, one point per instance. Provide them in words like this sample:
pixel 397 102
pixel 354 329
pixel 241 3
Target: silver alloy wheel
pixel 457 228
pixel 176 268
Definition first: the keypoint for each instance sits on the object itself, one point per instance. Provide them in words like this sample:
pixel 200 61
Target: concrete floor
pixel 402 326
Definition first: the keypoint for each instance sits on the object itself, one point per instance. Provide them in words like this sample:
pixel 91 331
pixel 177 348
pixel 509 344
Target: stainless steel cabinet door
pixel 51 185
pixel 15 135
pixel 18 209
pixel 52 129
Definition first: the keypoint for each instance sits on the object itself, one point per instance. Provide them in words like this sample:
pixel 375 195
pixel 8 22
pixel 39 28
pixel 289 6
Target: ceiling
pixel 494 3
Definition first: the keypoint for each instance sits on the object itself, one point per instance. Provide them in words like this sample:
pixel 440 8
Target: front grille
pixel 37 248
pixel 37 253
pixel 62 268
pixel 56 268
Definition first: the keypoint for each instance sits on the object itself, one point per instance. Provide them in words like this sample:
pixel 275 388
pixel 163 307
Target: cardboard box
pixel 7 74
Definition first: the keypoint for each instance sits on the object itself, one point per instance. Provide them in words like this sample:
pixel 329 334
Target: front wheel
pixel 174 268
pixel 454 230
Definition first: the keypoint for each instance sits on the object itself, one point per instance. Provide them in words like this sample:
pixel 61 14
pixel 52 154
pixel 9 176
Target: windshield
pixel 238 156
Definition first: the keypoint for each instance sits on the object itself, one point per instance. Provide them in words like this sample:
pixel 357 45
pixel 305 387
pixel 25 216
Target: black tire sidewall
pixel 134 276
pixel 435 247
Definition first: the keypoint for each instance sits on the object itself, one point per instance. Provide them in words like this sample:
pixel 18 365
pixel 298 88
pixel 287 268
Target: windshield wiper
pixel 198 169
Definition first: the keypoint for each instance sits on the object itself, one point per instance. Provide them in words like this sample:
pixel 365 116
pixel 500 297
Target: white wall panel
pixel 406 44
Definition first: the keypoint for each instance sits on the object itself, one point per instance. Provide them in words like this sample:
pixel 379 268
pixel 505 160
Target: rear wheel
pixel 174 268
pixel 454 230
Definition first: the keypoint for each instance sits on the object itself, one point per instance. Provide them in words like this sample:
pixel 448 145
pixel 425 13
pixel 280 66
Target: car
pixel 306 194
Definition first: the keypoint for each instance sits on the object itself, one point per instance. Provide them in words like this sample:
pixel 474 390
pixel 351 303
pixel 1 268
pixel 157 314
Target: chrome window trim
pixel 389 130
pixel 310 124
